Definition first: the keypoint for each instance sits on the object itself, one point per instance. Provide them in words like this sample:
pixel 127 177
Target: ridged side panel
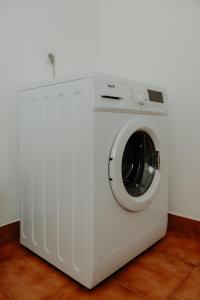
pixel 56 153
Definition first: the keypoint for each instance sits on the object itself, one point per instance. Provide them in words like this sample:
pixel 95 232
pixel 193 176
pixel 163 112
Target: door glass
pixel 138 163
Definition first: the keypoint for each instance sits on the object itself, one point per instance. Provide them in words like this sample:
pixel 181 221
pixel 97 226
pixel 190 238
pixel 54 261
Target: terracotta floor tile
pixel 108 290
pixel 154 275
pixel 180 245
pixel 3 296
pixel 28 277
pixel 168 269
pixel 10 250
pixel 190 287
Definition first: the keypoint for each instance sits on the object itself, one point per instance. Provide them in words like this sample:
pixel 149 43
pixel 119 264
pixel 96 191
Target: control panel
pixel 138 97
pixel 128 96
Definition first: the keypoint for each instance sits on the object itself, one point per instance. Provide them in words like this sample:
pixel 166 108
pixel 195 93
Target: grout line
pixel 169 256
pixel 176 257
pixel 7 294
pixel 181 282
pixel 153 248
pixel 130 289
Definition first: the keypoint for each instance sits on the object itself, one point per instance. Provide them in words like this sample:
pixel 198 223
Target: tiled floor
pixel 168 270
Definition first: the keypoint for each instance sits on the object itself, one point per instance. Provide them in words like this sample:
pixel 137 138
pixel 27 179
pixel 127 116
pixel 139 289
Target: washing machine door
pixel 134 165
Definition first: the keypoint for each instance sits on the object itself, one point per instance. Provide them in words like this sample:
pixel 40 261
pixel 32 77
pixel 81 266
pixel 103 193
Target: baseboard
pixel 184 225
pixel 9 232
pixel 183 215
pixel 11 222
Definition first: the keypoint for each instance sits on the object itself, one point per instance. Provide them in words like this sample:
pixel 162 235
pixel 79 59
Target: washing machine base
pixel 114 260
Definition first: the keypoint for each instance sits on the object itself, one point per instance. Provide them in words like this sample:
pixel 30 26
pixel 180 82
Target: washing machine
pixel 93 157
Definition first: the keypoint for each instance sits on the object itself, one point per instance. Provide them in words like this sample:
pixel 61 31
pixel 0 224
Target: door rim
pixel 120 193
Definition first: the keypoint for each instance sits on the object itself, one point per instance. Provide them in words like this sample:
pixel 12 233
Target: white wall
pixel 28 31
pixel 158 42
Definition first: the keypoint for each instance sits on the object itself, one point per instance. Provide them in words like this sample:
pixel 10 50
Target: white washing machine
pixel 93 172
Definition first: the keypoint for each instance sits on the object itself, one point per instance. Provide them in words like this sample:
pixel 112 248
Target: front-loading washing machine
pixel 93 156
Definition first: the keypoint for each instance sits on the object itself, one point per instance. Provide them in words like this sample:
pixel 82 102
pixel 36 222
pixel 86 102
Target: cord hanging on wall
pixel 51 57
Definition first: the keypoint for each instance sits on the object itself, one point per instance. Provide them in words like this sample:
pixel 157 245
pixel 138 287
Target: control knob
pixel 141 98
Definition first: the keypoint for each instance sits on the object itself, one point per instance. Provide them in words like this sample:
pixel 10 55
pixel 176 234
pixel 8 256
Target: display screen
pixel 155 96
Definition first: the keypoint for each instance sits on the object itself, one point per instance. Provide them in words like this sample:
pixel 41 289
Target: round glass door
pixel 138 163
pixel 134 164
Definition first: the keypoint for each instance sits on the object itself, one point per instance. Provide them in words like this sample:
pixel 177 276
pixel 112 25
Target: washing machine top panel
pixel 134 165
pixel 116 94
